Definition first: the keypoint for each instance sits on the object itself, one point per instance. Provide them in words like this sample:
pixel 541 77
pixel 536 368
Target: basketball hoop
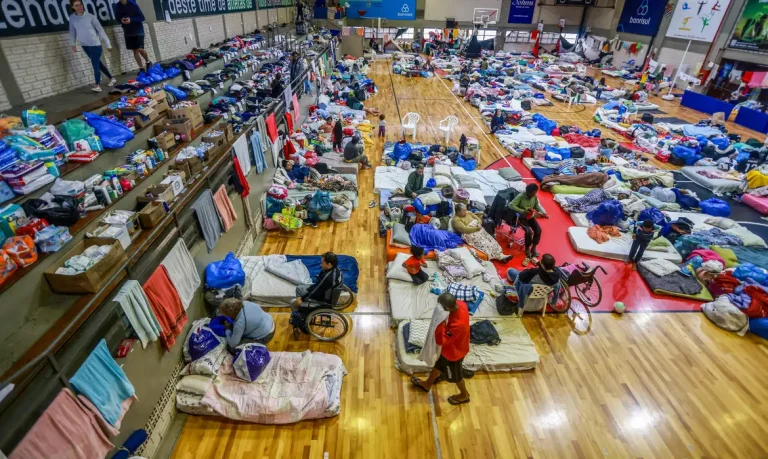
pixel 484 21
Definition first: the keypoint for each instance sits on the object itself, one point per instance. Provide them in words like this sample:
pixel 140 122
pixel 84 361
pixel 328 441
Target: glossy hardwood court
pixel 651 385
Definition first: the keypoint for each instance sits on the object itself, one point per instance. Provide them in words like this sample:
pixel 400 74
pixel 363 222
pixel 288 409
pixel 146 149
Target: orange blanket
pixel 166 304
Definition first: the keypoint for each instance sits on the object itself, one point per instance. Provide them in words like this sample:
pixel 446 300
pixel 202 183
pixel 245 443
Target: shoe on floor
pixel 96 88
pixel 314 224
pixel 372 204
pixel 535 261
pixel 112 82
pixel 526 262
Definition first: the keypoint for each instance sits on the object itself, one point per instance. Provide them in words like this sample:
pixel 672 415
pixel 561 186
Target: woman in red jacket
pixel 453 337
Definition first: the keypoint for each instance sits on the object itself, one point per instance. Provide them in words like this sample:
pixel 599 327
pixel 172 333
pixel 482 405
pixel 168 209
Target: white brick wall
pixel 263 18
pixel 121 60
pixel 210 30
pixel 175 38
pixel 234 24
pixel 249 21
pixel 4 104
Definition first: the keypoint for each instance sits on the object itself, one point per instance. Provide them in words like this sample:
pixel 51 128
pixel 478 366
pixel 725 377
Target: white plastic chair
pixel 410 121
pixel 581 69
pixel 447 126
pixel 541 293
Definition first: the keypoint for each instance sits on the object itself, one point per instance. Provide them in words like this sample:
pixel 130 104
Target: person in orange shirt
pixel 413 265
pixel 453 336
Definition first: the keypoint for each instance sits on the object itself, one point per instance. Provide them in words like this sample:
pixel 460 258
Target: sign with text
pixel 751 32
pixel 189 8
pixel 521 11
pixel 641 17
pixel 697 20
pixel 266 4
pixel 403 10
pixel 26 17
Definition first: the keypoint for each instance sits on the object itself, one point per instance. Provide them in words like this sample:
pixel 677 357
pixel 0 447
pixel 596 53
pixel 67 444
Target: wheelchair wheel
pixel 563 301
pixel 327 325
pixel 590 292
pixel 346 298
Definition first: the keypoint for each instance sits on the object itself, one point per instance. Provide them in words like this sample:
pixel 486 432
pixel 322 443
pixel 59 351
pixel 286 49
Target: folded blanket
pixel 182 272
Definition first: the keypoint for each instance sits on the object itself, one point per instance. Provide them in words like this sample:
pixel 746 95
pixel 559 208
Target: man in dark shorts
pixel 453 337
pixel 128 13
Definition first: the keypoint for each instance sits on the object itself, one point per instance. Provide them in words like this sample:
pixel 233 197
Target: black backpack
pixel 484 332
pixel 647 118
pixel 577 152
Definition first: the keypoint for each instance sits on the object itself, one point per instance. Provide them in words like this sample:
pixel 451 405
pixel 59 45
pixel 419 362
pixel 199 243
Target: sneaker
pixel 314 224
pixel 526 262
pixel 535 260
pixel 96 88
pixel 112 82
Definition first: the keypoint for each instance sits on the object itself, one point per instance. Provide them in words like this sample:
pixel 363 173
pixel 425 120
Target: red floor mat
pixel 621 283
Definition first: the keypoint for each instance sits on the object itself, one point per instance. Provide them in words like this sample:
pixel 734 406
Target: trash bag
pixel 274 205
pixel 320 206
pixel 56 216
pixel 178 93
pixel 467 164
pixel 74 130
pixel 654 215
pixel 200 340
pixel 759 327
pixel 112 134
pixel 720 142
pixel 687 154
pixel 715 207
pixel 172 72
pixel 225 273
pixel 608 213
pixel 341 212
pixel 749 271
pixel 401 152
pixel 250 361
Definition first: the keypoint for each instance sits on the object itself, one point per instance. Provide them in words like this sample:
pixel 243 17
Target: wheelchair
pixel 322 320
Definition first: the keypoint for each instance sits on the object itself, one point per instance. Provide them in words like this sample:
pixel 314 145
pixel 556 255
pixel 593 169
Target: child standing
pixel 382 126
pixel 641 237
pixel 413 265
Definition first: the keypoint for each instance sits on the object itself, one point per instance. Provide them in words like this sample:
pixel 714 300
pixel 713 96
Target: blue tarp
pixel 347 265
pixel 429 238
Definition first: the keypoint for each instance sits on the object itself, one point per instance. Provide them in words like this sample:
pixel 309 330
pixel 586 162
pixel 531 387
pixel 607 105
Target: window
pixel 520 36
pixel 371 32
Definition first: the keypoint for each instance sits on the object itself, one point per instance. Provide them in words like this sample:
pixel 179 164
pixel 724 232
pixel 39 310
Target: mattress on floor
pixel 643 106
pixel 267 289
pixel 491 182
pixel 336 162
pixel 391 178
pixel 392 251
pixel 530 163
pixel 697 219
pixel 516 352
pixel 616 248
pixel 759 203
pixel 410 301
pixel 676 284
pixel 540 172
pixel 192 404
pixel 580 219
pixel 717 186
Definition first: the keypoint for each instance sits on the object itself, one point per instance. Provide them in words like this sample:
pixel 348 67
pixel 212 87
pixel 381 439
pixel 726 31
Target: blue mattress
pixel 541 172
pixel 347 265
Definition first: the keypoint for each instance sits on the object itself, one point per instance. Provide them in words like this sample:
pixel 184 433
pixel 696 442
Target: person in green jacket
pixel 527 207
pixel 415 185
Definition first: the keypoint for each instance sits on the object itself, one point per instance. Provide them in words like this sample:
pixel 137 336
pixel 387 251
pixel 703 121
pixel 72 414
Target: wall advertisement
pixel 641 17
pixel 751 31
pixel 400 10
pixel 521 11
pixel 697 20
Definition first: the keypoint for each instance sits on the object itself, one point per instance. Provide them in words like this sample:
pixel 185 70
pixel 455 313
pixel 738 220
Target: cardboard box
pixel 162 101
pixel 119 233
pixel 181 127
pixel 195 165
pixel 131 225
pixel 164 140
pixel 161 193
pixel 173 172
pixel 93 279
pixel 181 169
pixel 151 215
pixel 176 182
pixel 218 141
pixel 229 134
pixel 191 113
pixel 144 120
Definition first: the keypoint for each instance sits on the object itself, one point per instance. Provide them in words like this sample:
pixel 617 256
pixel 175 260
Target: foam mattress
pixel 759 203
pixel 616 248
pixel 718 186
pixel 516 352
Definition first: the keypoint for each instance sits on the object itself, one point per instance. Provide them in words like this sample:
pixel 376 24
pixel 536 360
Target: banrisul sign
pixel 25 17
pixel 176 9
pixel 264 4
pixel 641 17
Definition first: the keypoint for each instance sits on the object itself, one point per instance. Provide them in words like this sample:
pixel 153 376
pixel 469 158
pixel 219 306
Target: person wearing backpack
pixel 128 13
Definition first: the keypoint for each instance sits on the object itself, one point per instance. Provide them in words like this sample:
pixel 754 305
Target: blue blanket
pixel 347 265
pixel 103 382
pixel 541 172
pixel 429 238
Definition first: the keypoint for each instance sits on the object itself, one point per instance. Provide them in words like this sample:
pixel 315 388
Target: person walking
pixel 85 29
pixel 128 13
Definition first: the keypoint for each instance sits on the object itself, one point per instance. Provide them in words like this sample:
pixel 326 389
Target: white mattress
pixel 697 219
pixel 516 352
pixel 580 219
pixel 391 178
pixel 410 301
pixel 616 248
pixel 267 289
pixel 491 182
pixel 718 186
pixel 641 107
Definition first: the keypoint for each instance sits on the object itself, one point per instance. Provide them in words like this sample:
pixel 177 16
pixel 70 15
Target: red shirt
pixel 413 265
pixel 455 346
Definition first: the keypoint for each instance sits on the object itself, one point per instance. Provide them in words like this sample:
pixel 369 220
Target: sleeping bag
pixel 429 238
pixel 608 213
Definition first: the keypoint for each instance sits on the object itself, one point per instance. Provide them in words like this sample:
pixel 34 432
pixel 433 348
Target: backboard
pixel 486 16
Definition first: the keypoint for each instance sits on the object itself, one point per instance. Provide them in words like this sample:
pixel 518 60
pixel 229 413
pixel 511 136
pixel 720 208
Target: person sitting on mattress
pixel 413 265
pixel 528 208
pixel 321 291
pixel 251 323
pixel 298 174
pixel 415 185
pixel 470 227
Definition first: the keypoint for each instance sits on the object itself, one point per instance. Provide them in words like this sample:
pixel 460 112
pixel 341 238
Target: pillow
pixel 749 238
pixel 510 174
pixel 194 384
pixel 399 237
pixel 442 181
pixel 660 267
pixel 730 258
pixel 419 330
pixel 660 244
pixel 722 223
pixel 395 269
pixel 429 199
pixel 458 171
pixel 473 267
pixel 441 169
pixel 208 364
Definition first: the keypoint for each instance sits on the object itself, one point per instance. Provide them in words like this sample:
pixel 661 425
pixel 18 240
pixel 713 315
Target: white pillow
pixel 473 267
pixel 208 364
pixel 749 238
pixel 721 222
pixel 395 269
pixel 430 198
pixel 418 335
pixel 442 181
pixel 194 384
pixel 441 169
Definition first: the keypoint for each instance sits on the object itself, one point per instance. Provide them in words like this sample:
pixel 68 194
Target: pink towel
pixel 224 206
pixel 66 430
pixel 757 79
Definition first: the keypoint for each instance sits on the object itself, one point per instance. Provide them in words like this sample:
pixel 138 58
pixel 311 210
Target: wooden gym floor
pixel 639 385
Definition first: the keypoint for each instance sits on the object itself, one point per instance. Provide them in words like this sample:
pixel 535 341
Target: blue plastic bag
pixel 431 183
pixel 172 72
pixel 653 214
pixel 250 361
pixel 467 164
pixel 720 142
pixel 320 206
pixel 200 341
pixel 401 152
pixel 687 154
pixel 715 207
pixel 225 273
pixel 759 327
pixel 274 206
pixel 112 134
pixel 749 271
pixel 178 93
pixel 608 213
pixel 544 123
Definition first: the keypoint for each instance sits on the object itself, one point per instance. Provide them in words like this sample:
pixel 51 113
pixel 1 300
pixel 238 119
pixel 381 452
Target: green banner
pixel 266 4
pixel 751 31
